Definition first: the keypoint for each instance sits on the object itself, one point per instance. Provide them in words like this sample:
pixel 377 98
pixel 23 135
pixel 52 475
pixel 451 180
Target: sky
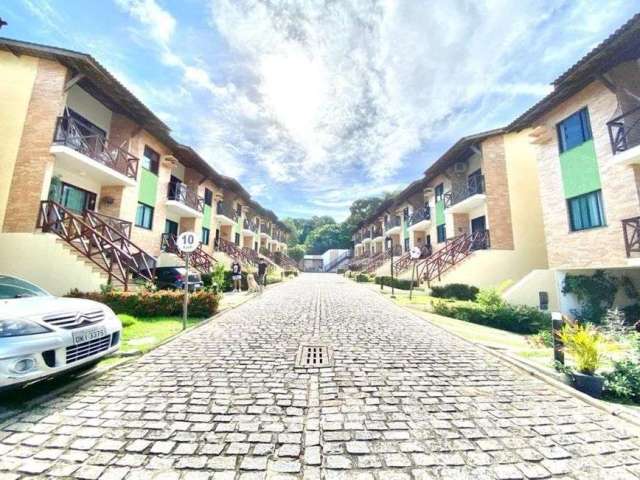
pixel 313 104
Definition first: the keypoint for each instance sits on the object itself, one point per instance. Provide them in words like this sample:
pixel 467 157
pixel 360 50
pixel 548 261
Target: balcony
pixel 184 201
pixel 420 219
pixel 225 214
pixel 265 231
pixel 92 155
pixel 624 135
pixel 393 225
pixel 249 227
pixel 466 198
pixel 376 234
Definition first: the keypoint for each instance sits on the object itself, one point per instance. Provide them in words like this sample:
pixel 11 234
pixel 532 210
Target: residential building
pixel 93 188
pixel 586 133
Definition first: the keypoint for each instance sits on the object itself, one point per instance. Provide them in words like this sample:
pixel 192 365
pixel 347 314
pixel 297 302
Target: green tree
pixel 296 252
pixel 328 237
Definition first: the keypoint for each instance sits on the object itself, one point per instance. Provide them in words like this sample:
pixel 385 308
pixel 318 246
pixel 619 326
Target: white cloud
pixel 160 23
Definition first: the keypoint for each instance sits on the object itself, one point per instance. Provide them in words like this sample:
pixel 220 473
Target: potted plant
pixel 582 342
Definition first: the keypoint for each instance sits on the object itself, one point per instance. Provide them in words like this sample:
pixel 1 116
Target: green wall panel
pixel 206 216
pixel 440 213
pixel 148 188
pixel 580 170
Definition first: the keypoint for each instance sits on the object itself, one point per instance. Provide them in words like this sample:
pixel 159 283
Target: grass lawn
pixel 146 333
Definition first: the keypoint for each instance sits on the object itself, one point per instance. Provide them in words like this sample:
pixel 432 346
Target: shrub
pixel 227 284
pixel 126 320
pixel 582 342
pixel 271 279
pixel 542 339
pixel 362 278
pixel 631 313
pixel 491 297
pixel 459 291
pixel 340 271
pixel 163 303
pixel 514 318
pixel 397 283
pixel 595 293
pixel 624 380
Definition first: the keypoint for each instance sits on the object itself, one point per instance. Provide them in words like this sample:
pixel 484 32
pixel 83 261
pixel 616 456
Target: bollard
pixel 557 321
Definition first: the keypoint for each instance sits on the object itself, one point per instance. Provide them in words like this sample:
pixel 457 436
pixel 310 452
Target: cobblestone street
pixel 402 400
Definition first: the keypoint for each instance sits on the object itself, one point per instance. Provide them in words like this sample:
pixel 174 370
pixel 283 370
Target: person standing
pixel 262 274
pixel 236 276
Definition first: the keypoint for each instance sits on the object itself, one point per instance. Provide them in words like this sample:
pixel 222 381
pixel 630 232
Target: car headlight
pixel 18 327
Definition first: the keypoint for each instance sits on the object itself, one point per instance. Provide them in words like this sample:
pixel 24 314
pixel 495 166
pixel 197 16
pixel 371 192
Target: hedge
pixel 362 278
pixel 397 283
pixel 517 319
pixel 163 303
pixel 459 291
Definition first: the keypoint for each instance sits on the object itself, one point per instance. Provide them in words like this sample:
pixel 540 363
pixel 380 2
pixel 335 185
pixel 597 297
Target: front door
pixel 479 225
pixel 77 199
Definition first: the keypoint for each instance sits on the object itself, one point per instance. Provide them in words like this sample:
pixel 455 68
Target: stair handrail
pixel 342 257
pixel 452 253
pixel 115 252
pixel 123 226
pixel 200 260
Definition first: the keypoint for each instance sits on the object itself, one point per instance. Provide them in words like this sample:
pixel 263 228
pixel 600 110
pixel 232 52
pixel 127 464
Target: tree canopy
pixel 318 234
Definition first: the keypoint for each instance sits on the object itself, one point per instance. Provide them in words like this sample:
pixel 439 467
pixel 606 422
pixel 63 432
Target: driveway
pixel 400 399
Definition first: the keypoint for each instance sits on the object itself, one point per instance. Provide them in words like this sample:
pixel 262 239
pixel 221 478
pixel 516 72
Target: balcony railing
pixel 180 192
pixel 226 210
pixel 265 229
pixel 624 131
pixel 631 231
pixel 474 186
pixel 95 146
pixel 393 222
pixel 376 232
pixel 420 215
pixel 249 225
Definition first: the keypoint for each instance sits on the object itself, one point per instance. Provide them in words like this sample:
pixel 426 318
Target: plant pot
pixel 590 384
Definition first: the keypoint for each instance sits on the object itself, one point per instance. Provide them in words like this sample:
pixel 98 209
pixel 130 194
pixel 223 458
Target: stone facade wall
pixel 33 160
pixel 598 247
pixel 494 169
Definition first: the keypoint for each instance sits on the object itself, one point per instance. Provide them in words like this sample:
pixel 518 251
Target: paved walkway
pixel 403 400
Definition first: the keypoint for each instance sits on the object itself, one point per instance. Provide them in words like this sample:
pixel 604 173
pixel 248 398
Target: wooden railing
pixel 97 241
pixel 455 250
pixel 123 226
pixel 402 264
pixel 95 146
pixel 624 131
pixel 473 186
pixel 180 192
pixel 234 251
pixel 226 210
pixel 420 215
pixel 251 255
pixel 378 259
pixel 285 261
pixel 392 223
pixel 198 259
pixel 249 225
pixel 631 231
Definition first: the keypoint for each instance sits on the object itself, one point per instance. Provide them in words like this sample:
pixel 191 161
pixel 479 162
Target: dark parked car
pixel 174 277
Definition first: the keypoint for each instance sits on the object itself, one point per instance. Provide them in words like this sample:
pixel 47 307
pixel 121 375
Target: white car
pixel 42 335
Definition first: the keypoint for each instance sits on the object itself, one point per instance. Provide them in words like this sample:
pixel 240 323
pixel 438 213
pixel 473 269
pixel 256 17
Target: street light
pixel 389 241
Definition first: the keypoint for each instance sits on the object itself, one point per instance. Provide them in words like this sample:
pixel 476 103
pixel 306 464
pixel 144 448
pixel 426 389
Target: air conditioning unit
pixel 460 167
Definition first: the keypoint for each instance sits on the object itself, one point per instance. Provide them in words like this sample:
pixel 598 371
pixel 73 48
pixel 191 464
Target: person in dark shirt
pixel 236 276
pixel 262 274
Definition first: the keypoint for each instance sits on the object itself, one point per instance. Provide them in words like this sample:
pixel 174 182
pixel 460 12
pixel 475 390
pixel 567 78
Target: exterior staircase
pixel 101 239
pixel 198 259
pixel 235 252
pixel 455 251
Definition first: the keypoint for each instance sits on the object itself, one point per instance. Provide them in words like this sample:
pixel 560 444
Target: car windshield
pixel 11 287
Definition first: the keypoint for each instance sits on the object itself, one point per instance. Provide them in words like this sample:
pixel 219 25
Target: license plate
pixel 89 334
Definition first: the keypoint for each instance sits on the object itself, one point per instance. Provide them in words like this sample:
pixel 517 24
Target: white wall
pixel 90 108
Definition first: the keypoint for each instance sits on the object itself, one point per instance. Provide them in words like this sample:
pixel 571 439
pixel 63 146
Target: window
pixel 77 199
pixel 405 213
pixel 144 216
pixel 442 233
pixel 543 303
pixel 237 239
pixel 238 210
pixel 150 159
pixel 406 244
pixel 439 192
pixel 574 130
pixel 208 197
pixel 205 235
pixel 585 211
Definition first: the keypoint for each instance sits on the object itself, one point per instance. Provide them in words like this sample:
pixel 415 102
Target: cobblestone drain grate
pixel 313 356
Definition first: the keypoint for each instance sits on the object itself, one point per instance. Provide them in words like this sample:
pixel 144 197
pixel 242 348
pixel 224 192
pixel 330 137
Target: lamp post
pixel 389 241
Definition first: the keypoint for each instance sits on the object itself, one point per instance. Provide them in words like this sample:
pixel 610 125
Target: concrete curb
pixel 98 372
pixel 536 372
